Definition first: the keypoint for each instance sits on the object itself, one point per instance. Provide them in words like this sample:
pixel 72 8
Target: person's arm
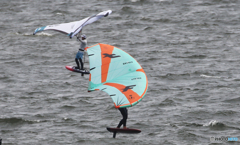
pixel 79 36
pixel 80 39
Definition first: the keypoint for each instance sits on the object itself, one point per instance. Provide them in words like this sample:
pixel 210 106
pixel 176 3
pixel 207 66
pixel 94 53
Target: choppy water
pixel 189 50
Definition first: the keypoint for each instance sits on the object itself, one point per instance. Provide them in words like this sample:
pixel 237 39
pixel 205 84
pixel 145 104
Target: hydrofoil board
pixel 75 69
pixel 121 130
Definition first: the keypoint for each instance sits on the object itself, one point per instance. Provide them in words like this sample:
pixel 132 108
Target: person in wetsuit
pixel 80 53
pixel 123 122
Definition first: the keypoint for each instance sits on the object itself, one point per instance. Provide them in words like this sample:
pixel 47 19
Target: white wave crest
pixel 59 13
pixel 44 34
pixel 30 34
pixel 206 76
pixel 212 123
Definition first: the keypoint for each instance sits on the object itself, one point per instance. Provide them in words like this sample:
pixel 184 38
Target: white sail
pixel 73 28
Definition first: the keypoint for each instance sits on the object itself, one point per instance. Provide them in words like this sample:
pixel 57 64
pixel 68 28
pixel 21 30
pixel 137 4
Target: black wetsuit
pixel 124 113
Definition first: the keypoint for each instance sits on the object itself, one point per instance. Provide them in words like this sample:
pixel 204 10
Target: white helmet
pixel 84 36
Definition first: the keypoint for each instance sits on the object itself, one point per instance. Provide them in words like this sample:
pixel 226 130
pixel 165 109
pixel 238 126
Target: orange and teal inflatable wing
pixel 115 72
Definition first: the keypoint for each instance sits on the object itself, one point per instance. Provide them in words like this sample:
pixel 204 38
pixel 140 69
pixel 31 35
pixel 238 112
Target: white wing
pixel 73 28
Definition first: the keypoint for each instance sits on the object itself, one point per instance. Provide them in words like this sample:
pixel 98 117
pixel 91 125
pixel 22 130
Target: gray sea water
pixel 189 50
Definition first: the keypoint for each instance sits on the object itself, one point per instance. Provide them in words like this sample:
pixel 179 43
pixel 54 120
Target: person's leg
pixel 125 116
pixel 76 60
pixel 81 64
pixel 78 55
pixel 120 124
pixel 81 54
pixel 124 113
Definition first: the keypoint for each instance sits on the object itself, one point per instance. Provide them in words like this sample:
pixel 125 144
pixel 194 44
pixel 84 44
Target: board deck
pixel 121 130
pixel 73 68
